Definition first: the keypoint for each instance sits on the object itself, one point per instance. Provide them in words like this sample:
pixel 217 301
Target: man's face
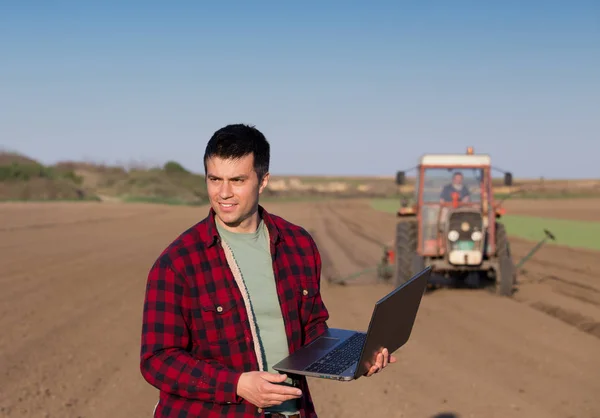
pixel 233 189
pixel 457 180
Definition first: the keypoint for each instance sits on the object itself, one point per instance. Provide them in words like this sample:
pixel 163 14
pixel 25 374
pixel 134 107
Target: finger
pixel 282 390
pixel 268 404
pixel 276 399
pixel 393 359
pixel 268 400
pixel 379 361
pixel 385 357
pixel 273 377
pixel 374 369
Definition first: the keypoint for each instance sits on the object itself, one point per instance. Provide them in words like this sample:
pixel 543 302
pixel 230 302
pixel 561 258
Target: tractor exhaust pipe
pixel 549 235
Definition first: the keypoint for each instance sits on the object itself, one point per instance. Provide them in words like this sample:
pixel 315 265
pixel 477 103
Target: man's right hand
pixel 263 389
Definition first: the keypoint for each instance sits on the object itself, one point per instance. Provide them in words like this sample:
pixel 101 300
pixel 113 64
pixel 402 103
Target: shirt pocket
pixel 306 294
pixel 221 321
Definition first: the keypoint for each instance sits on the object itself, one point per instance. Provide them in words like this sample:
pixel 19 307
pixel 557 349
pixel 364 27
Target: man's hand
pixel 383 359
pixel 262 389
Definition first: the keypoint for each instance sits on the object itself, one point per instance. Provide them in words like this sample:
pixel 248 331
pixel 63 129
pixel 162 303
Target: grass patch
pixel 547 195
pixel 85 199
pixel 570 233
pixel 388 205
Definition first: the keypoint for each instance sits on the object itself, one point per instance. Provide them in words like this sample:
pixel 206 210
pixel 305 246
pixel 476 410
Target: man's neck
pixel 247 226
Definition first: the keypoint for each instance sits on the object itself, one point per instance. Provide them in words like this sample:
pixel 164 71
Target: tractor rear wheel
pixel 405 251
pixel 505 277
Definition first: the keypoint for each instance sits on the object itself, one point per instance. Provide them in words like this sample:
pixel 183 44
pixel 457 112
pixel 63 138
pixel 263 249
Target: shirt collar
pixel 213 236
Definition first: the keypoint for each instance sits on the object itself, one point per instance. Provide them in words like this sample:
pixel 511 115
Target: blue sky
pixel 348 87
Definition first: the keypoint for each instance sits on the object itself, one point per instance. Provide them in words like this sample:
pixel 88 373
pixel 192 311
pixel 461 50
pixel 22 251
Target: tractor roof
pixel 455 160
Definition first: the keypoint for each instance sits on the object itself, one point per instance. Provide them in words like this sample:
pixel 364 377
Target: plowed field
pixel 73 275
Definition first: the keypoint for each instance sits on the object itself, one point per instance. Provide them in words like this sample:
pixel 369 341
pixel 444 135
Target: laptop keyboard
pixel 340 358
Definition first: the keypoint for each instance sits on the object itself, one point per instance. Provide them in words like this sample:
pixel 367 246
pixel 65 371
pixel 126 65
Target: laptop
pixel 345 355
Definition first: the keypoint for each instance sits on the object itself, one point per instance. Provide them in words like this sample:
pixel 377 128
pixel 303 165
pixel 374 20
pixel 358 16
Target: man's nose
pixel 225 191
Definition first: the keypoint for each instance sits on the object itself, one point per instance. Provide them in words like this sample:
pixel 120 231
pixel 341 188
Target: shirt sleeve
pixel 317 322
pixel 445 193
pixel 165 363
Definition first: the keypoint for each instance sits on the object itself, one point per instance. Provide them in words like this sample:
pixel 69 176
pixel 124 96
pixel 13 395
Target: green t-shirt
pixel 252 254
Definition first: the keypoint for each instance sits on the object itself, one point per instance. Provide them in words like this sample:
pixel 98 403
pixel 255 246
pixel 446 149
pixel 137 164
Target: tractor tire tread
pixel 405 251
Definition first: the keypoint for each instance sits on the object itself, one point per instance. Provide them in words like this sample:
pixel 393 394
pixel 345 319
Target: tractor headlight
pixel 453 235
pixel 476 236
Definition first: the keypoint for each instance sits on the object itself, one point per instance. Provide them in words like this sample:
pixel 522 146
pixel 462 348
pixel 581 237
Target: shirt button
pixel 260 410
pixel 305 292
pixel 219 309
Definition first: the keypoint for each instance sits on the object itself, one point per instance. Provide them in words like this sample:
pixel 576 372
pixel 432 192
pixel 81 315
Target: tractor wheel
pixel 505 277
pixel 406 247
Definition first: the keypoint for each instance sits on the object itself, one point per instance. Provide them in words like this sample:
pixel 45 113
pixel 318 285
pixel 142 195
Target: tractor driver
pixel 457 187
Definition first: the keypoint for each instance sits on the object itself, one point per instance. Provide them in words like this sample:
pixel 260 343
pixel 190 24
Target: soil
pixel 583 209
pixel 73 278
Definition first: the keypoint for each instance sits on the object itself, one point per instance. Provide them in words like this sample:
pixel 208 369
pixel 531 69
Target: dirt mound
pixel 44 189
pixel 7 157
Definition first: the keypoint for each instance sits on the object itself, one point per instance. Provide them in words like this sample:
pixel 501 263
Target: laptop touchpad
pixel 324 343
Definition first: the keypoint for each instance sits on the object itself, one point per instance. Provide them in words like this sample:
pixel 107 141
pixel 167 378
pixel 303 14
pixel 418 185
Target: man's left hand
pixel 383 359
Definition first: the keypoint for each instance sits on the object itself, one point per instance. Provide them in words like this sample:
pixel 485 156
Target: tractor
pixel 453 225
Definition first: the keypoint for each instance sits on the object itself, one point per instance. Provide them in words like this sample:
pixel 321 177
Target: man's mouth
pixel 227 205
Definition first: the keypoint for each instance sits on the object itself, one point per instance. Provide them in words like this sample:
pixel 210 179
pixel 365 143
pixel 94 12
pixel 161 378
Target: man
pixel 233 295
pixel 456 187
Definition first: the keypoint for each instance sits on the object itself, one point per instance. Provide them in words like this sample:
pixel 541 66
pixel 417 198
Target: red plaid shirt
pixel 196 333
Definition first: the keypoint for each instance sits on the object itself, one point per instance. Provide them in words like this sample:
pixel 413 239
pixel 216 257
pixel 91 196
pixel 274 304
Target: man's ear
pixel 264 182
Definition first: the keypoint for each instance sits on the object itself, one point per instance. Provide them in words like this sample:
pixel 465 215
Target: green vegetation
pixel 24 179
pixel 552 194
pixel 172 167
pixel 172 183
pixel 24 171
pixel 571 233
pixel 388 205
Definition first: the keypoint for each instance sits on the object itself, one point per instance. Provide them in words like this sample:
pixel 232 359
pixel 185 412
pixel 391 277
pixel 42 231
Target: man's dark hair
pixel 236 141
